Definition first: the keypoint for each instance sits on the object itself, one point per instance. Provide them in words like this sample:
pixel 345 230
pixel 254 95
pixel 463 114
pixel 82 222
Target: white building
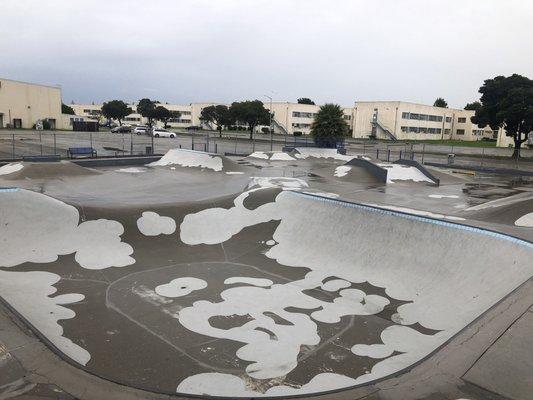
pixel 410 121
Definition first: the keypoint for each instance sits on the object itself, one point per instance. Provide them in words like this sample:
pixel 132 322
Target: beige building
pixel 410 121
pixel 22 104
pixel 290 118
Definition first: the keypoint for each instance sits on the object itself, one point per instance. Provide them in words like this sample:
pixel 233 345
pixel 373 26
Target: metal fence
pixel 21 143
pixel 17 144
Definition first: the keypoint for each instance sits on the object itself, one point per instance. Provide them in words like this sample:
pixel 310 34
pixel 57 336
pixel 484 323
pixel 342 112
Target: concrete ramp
pixel 421 168
pixel 375 170
pixel 272 292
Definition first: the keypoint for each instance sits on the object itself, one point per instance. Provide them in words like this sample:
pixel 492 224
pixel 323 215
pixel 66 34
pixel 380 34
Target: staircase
pixel 278 126
pixel 387 131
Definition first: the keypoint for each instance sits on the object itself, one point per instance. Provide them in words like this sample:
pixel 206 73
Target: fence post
pixel 131 142
pixel 377 154
pixel 423 151
pixel 388 155
pixel 41 141
pixel 55 144
pixel 400 154
pixel 482 155
pixel 13 146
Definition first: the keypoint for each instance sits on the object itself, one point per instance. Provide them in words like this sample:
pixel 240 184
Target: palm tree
pixel 329 126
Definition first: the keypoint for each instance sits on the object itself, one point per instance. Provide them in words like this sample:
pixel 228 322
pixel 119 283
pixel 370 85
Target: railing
pixel 389 132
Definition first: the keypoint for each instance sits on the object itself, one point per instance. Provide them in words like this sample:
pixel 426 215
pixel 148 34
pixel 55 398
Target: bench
pixel 81 151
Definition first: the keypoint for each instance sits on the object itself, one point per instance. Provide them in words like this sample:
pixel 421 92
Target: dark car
pixel 121 129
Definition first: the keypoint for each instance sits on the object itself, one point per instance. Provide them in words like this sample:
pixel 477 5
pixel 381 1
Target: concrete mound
pixel 45 170
pixel 197 159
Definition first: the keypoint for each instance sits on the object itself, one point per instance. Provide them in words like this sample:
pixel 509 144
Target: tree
pixel 507 102
pixel 146 108
pixel 218 115
pixel 116 109
pixel 162 114
pixel 473 106
pixel 67 109
pixel 329 126
pixel 440 102
pixel 251 112
pixel 306 100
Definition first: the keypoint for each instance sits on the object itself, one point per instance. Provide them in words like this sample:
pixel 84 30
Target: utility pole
pixel 271 130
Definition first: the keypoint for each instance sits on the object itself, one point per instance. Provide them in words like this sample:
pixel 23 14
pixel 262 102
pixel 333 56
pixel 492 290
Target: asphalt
pixel 354 288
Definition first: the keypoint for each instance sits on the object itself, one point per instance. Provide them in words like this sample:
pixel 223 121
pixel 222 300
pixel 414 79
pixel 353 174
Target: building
pixel 410 121
pixel 294 118
pixel 22 104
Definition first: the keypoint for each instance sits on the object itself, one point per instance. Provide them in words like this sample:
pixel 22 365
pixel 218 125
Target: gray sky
pixel 331 51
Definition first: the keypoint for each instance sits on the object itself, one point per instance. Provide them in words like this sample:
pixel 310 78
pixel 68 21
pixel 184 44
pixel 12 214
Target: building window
pixel 405 129
pixel 460 131
pixel 413 129
pixel 422 130
pixel 446 131
pixel 405 115
pixel 347 117
pixel 413 116
pixel 461 120
pixel 448 119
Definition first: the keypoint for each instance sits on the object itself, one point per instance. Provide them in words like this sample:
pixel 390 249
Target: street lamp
pixel 270 115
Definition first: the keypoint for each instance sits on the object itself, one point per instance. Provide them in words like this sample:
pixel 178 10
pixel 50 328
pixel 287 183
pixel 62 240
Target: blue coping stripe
pixel 419 218
pixel 8 189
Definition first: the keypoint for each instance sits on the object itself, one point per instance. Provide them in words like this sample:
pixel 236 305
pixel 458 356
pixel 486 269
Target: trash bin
pixel 149 150
pixel 451 158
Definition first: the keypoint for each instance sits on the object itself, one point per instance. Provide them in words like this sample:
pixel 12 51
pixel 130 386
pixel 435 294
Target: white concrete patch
pixel 506 201
pixel 280 156
pixel 189 158
pixel 251 281
pixel 335 284
pixel 525 220
pixel 133 170
pixel 274 355
pixel 218 384
pixel 38 228
pixel 342 170
pixel 398 172
pixel 324 194
pixel 10 168
pixel 153 224
pixel 441 289
pixel 259 154
pixel 443 196
pixel 282 182
pixel 180 287
pixel 29 293
pixel 418 212
pixel 305 152
pixel 234 173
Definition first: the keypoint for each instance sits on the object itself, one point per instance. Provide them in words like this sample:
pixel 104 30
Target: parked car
pixel 121 129
pixel 160 132
pixel 141 130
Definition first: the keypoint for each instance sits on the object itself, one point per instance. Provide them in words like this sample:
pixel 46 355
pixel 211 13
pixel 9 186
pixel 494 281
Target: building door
pixel 1 121
pixel 17 123
pixel 52 122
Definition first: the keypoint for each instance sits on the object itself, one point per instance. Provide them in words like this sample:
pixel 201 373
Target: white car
pixel 141 130
pixel 160 132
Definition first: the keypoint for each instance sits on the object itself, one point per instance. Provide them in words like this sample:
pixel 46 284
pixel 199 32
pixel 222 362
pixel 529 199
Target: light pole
pixel 270 115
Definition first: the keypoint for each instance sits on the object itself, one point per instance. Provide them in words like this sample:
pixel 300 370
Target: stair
pixel 389 132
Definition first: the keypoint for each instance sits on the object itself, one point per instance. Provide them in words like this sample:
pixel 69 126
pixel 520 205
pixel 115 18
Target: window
pixel 405 129
pixel 460 131
pixel 461 120
pixel 413 129
pixel 446 131
pixel 413 116
pixel 405 115
pixel 439 118
pixel 422 130
pixel 448 119
pixel 431 130
pixel 347 117
pixel 299 114
pixel 438 130
pixel 423 117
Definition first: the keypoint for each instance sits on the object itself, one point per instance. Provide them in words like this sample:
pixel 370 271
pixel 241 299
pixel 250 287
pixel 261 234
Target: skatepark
pixel 306 273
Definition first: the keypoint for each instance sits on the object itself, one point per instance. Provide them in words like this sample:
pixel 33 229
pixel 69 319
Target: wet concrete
pixel 132 333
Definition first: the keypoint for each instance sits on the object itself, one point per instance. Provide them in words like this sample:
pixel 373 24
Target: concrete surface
pixel 268 280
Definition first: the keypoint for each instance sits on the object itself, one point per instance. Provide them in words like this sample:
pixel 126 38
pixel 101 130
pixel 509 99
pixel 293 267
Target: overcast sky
pixel 331 50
